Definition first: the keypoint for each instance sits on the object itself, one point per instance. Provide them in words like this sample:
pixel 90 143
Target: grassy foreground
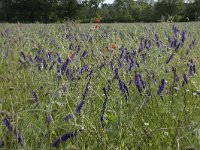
pixel 100 86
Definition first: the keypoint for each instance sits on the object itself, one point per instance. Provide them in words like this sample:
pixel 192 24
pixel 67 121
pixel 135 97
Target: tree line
pixel 47 11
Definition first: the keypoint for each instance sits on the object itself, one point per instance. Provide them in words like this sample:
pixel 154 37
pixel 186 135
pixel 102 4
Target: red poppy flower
pixel 113 46
pixel 97 27
pixel 97 20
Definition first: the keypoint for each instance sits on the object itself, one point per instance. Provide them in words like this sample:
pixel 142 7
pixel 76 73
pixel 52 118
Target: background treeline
pixel 47 11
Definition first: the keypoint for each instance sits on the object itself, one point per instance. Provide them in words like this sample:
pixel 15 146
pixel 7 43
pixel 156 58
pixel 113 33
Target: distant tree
pixel 169 7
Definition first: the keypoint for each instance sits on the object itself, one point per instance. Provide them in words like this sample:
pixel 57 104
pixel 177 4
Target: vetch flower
pixel 7 123
pixel 35 97
pixel 68 117
pixel 79 107
pixel 84 68
pixel 84 54
pixel 141 47
pixel 19 138
pixel 131 65
pixel 183 36
pixel 170 58
pixel 59 58
pixel 161 87
pixel 124 89
pixel 64 138
pixel 86 90
pixel 23 55
pixel 137 82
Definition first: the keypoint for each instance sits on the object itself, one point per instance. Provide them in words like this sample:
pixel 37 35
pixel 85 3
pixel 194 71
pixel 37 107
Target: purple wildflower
pixel 79 107
pixel 86 90
pixel 84 54
pixel 77 49
pixel 48 119
pixel 183 36
pixel 19 138
pixel 35 97
pixel 116 74
pixel 84 68
pixel 192 70
pixel 147 44
pixel 38 59
pixel 68 117
pixel 140 47
pixel 49 56
pixel 131 65
pixel 192 44
pixel 70 46
pixel 161 87
pixel 170 58
pixel 134 52
pixel 64 138
pixel 59 58
pixel 137 82
pixel 119 63
pixel 111 65
pixel 7 123
pixel 23 55
pixel 52 65
pixel 44 64
pixel 156 37
pixel 123 88
pixel 185 80
pixel 65 65
pixel 178 46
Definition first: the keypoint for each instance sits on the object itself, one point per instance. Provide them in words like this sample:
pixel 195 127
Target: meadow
pixel 100 86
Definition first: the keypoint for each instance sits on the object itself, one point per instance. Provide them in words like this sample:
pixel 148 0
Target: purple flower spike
pixel 137 82
pixel 131 65
pixel 161 87
pixel 59 58
pixel 23 55
pixel 35 97
pixel 141 47
pixel 116 74
pixel 84 54
pixel 64 138
pixel 7 123
pixel 68 117
pixel 19 138
pixel 86 90
pixel 183 36
pixel 170 58
pixel 84 68
pixel 80 106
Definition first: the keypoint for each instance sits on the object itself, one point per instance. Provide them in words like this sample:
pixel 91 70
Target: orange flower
pixel 113 46
pixel 97 27
pixel 97 20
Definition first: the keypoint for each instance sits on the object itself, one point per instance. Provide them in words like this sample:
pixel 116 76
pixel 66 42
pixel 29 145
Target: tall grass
pixel 120 86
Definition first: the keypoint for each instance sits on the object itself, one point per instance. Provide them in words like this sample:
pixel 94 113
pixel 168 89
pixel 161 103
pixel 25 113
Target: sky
pixel 109 1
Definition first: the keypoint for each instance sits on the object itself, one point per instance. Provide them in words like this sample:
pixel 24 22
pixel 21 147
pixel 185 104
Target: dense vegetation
pixel 87 10
pixel 119 86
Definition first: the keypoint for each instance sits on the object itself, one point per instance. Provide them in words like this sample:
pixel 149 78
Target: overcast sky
pixel 109 1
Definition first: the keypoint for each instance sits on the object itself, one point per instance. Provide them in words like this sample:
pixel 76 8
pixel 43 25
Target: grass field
pixel 100 86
